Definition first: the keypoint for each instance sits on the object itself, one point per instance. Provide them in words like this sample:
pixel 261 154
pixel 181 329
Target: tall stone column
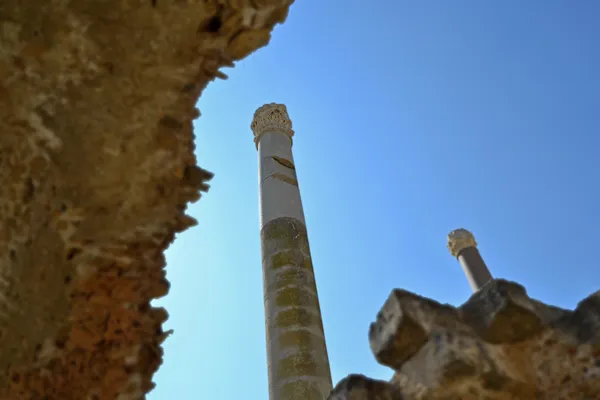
pixel 463 246
pixel 297 355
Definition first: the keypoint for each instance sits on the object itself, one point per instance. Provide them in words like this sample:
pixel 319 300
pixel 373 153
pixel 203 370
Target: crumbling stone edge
pixel 97 167
pixel 500 344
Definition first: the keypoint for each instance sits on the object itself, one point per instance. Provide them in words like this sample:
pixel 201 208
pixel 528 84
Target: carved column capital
pixel 271 117
pixel 460 239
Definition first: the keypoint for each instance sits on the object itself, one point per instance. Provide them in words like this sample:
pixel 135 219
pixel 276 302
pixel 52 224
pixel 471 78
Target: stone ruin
pixel 499 345
pixel 97 167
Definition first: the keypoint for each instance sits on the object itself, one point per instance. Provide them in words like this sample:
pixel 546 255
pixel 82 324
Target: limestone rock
pixel 97 165
pixel 359 387
pixel 500 344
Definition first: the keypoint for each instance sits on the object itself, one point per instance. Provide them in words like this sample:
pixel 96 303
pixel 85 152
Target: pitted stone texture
pixel 359 387
pixel 97 166
pixel 500 344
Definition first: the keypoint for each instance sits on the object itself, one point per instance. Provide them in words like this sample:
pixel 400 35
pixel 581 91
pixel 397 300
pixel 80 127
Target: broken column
pixel 298 364
pixel 463 246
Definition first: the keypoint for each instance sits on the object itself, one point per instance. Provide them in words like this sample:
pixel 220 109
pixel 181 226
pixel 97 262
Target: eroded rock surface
pixel 500 345
pixel 97 165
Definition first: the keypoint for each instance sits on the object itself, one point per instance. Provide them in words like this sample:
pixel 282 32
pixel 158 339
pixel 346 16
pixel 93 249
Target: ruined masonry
pixel 97 166
pixel 499 345
pixel 296 352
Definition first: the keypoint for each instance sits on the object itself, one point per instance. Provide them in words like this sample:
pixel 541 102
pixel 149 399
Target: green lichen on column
pixel 284 234
pixel 296 317
pixel 300 390
pixel 297 349
pixel 303 339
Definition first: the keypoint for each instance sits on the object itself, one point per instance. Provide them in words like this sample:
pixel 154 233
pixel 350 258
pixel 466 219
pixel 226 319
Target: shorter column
pixel 463 246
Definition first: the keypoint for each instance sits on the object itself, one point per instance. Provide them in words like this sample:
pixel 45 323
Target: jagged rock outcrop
pixel 499 345
pixel 97 165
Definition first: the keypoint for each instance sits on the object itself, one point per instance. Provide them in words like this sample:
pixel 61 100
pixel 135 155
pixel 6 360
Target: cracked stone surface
pixel 499 345
pixel 97 167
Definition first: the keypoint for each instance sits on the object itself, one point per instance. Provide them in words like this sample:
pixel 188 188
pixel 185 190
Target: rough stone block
pixel 403 325
pixel 359 387
pixel 500 344
pixel 97 167
pixel 501 312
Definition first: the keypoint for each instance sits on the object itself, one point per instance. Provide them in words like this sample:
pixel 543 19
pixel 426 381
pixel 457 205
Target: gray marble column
pixel 296 352
pixel 463 246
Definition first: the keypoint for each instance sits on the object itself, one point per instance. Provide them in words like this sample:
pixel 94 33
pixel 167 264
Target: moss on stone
pixel 303 339
pixel 289 257
pixel 290 287
pixel 291 276
pixel 301 389
pixel 297 316
pixel 308 263
pixel 284 233
pixel 285 244
pixel 301 364
pixel 294 296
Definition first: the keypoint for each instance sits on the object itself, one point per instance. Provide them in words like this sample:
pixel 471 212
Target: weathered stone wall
pixel 499 345
pixel 97 165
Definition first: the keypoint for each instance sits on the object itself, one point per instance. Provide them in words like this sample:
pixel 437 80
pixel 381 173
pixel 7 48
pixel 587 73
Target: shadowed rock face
pixel 97 166
pixel 500 344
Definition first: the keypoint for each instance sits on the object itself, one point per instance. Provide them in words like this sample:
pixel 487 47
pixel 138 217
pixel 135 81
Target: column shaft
pixel 297 354
pixel 474 267
pixel 463 246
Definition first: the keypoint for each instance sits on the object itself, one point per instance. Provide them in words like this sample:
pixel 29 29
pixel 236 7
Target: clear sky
pixel 411 119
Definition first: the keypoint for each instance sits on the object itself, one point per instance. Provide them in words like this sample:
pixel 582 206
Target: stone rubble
pixel 499 345
pixel 97 167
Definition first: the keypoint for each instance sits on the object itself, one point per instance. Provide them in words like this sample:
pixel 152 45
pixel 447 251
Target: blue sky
pixel 411 119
